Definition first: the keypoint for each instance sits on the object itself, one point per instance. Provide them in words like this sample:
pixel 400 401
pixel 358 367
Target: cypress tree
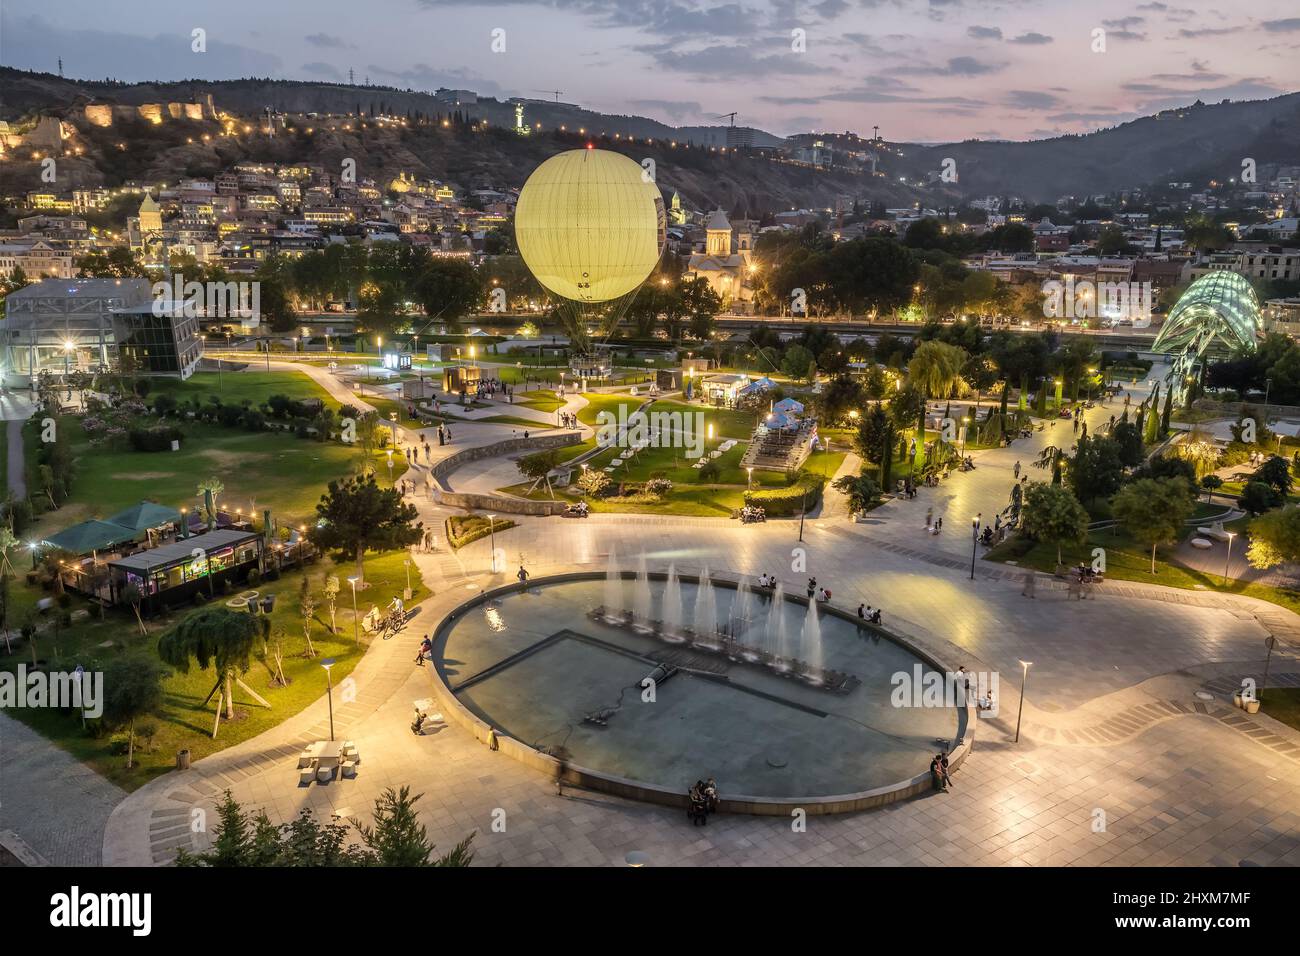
pixel 1166 412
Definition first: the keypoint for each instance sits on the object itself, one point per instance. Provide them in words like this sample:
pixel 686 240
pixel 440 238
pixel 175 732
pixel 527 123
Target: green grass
pixel 1281 703
pixel 184 721
pixel 542 400
pixel 234 387
pixel 1127 560
pixel 259 469
pixel 514 420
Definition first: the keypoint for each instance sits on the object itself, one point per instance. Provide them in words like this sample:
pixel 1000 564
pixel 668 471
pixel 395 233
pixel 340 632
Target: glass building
pixel 63 325
pixel 1218 313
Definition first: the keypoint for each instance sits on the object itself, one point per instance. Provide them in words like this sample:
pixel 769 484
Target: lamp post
pixel 492 534
pixel 803 510
pixel 356 625
pixel 974 541
pixel 750 482
pixel 329 691
pixel 1228 559
pixel 390 466
pixel 965 430
pixel 1024 676
pixel 407 563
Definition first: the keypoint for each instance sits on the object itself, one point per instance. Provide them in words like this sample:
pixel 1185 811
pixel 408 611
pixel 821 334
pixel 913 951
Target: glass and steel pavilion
pixel 1218 313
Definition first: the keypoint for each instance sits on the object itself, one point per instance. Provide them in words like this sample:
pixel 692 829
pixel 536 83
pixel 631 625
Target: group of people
pixel 444 434
pixel 702 800
pixel 906 488
pixel 413 454
pixel 939 772
pixel 817 594
pixel 567 419
pixel 869 614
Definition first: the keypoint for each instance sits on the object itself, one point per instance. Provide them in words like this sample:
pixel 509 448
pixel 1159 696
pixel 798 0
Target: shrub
pixel 709 472
pixel 658 486
pixel 463 529
pixel 157 438
pixel 594 483
pixel 788 501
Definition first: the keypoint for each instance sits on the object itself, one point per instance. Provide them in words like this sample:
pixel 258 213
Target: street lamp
pixel 356 625
pixel 965 429
pixel 492 533
pixel 1228 559
pixel 974 541
pixel 390 466
pixel 329 691
pixel 1024 675
pixel 750 483
pixel 407 563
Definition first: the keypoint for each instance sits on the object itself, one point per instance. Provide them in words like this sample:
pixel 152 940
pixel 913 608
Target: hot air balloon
pixel 590 226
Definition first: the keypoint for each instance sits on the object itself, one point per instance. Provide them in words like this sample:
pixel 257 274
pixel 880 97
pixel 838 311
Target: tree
pixel 357 516
pixel 862 491
pixel 538 466
pixel 1210 483
pixel 132 689
pixel 1275 538
pixel 397 838
pixel 1051 514
pixel 331 599
pixel 1276 473
pixel 1153 510
pixel 449 289
pixel 220 638
pixel 875 437
pixel 936 368
pixel 1257 497
pixel 1096 469
pixel 307 606
pixel 795 362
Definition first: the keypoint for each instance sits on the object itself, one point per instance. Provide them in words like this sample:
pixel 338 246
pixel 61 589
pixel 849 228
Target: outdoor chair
pixel 304 759
pixel 324 774
pixel 306 775
pixel 349 768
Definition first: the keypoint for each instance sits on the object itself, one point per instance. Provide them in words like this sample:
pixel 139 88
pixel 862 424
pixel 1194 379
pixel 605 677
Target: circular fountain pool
pixel 774 701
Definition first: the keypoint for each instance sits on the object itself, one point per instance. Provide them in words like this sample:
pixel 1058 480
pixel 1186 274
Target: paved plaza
pixel 1120 760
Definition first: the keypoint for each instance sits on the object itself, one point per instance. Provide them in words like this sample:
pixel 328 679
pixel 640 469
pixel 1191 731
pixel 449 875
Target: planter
pixel 183 759
pixel 1236 699
pixel 1252 706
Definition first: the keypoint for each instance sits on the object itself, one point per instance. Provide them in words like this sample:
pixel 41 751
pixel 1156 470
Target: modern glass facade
pixel 1219 312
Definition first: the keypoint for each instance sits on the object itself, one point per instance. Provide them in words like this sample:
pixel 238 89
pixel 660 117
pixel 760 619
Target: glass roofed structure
pixel 1218 313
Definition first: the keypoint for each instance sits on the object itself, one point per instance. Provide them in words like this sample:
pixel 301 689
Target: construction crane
pixel 731 116
pixel 555 93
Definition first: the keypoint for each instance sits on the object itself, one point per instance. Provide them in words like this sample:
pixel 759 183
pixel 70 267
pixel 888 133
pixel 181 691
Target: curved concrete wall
pixel 589 779
pixel 508 505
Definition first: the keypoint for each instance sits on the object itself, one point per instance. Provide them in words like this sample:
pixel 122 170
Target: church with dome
pixel 726 263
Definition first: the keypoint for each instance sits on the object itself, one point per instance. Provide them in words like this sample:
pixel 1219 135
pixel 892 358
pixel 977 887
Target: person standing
pixel 523 577
pixel 1016 471
pixel 812 588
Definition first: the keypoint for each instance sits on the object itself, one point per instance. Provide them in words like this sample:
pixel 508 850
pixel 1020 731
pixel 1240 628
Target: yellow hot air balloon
pixel 589 225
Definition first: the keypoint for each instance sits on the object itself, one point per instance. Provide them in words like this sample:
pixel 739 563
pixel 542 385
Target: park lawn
pixel 728 423
pixel 1126 560
pixel 542 400
pixel 233 388
pixel 673 465
pixel 598 402
pixel 184 720
pixel 701 501
pixel 1281 703
pixel 275 470
pixel 515 420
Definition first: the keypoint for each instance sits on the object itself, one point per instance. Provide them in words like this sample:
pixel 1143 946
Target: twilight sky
pixel 923 70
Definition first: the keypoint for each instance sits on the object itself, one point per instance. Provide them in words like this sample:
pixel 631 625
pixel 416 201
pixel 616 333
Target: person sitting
pixel 875 617
pixel 863 612
pixel 986 702
pixel 711 795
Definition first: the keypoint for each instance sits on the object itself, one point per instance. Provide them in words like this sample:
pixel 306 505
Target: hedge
pixel 463 529
pixel 788 501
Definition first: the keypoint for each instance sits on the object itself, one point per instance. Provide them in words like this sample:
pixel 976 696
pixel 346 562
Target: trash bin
pixel 268 604
pixel 183 760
